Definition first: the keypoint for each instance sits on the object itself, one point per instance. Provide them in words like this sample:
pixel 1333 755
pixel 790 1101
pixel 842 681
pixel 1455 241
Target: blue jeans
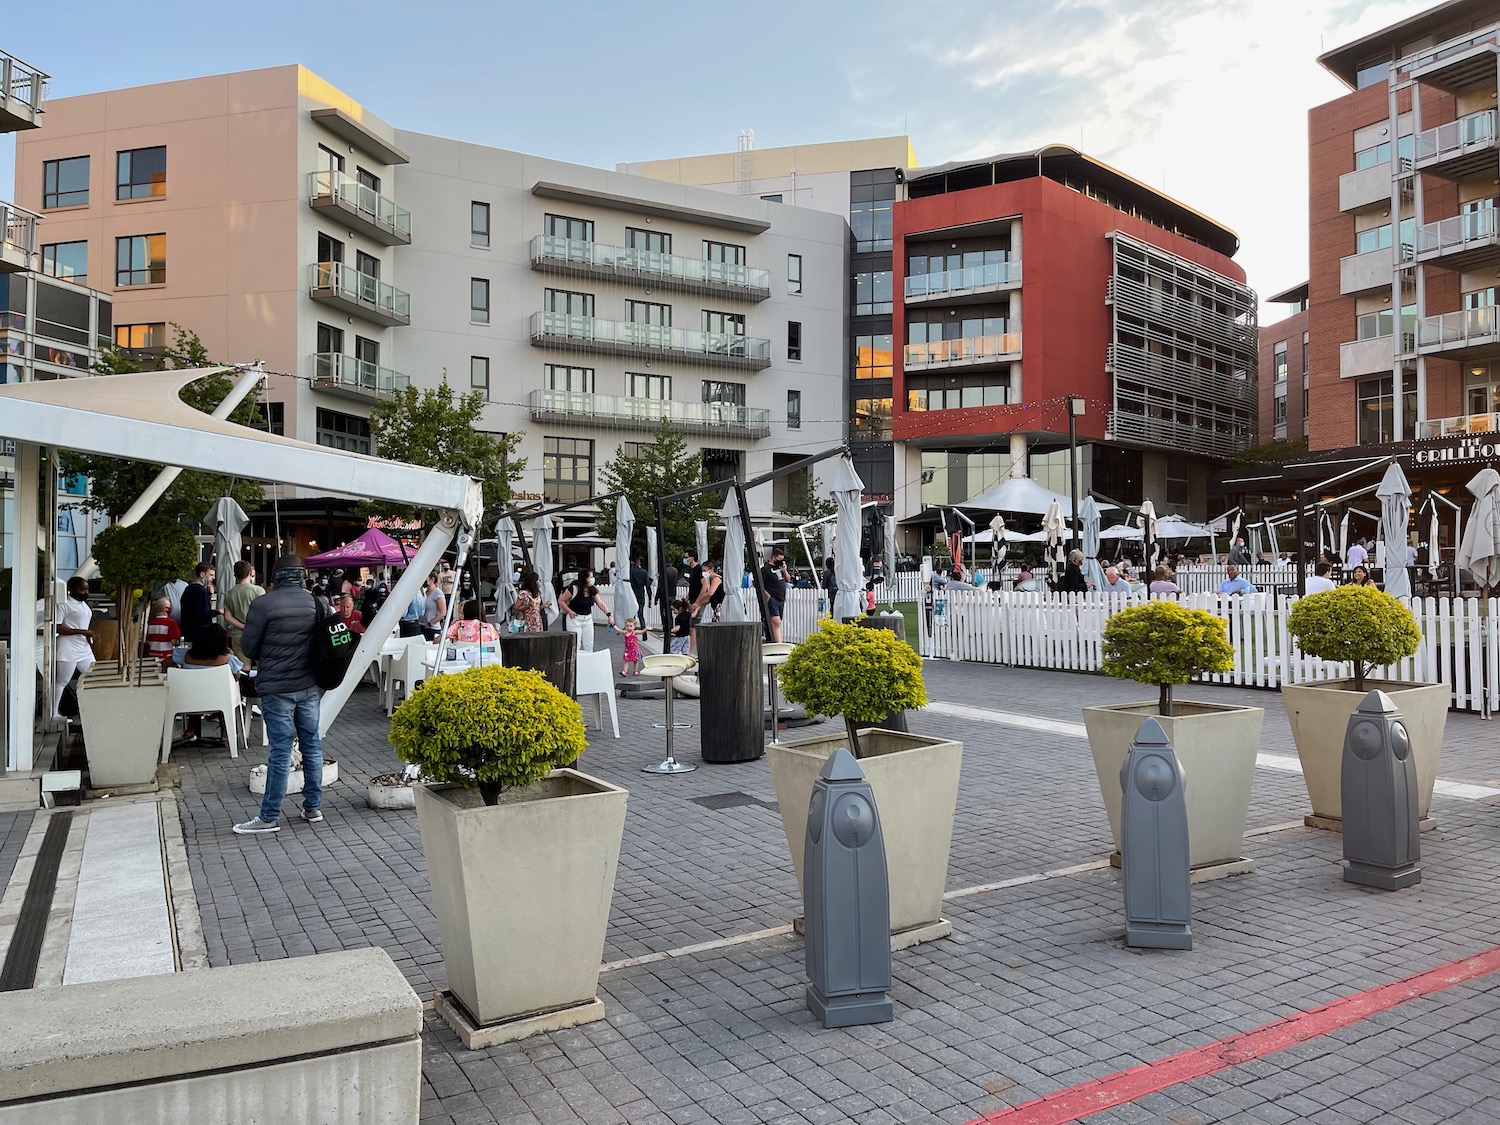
pixel 282 713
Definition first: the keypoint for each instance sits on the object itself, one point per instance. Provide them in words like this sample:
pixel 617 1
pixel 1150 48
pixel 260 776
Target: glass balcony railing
pixel 18 229
pixel 669 268
pixel 334 280
pixel 648 413
pixel 968 350
pixel 1459 329
pixel 343 372
pixel 1462 424
pixel 618 335
pixel 366 202
pixel 969 279
pixel 1456 232
pixel 1454 137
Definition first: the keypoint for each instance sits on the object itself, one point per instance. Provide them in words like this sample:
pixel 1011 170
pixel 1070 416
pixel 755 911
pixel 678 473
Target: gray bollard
pixel 1378 783
pixel 1154 844
pixel 846 900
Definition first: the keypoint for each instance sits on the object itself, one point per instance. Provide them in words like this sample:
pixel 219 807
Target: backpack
pixel 333 647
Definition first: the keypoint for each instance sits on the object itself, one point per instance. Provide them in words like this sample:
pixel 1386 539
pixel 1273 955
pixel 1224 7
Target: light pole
pixel 1075 410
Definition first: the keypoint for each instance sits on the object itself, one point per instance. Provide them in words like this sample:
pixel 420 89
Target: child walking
pixel 682 627
pixel 632 657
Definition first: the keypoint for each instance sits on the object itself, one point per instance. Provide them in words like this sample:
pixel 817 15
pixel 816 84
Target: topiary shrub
pixel 136 559
pixel 1355 624
pixel 861 674
pixel 1164 643
pixel 489 727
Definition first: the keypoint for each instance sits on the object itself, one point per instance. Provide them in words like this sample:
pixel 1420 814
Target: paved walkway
pixel 1034 994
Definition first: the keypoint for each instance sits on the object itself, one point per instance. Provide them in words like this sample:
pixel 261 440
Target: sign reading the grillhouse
pixel 1485 448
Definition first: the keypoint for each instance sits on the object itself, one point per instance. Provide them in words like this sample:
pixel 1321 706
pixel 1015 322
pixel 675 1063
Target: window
pixel 141 337
pixel 633 449
pixel 567 469
pixel 272 418
pixel 794 410
pixel 367 264
pixel 569 303
pixel 367 179
pixel 561 377
pixel 723 323
pixel 649 241
pixel 328 160
pixel 1376 414
pixel 349 432
pixel 794 340
pixel 479 374
pixel 872 419
pixel 973 322
pixel 1371 73
pixel 729 394
pixel 793 272
pixel 367 351
pixel 65 183
pixel 1381 153
pixel 1379 238
pixel 872 356
pixel 141 173
pixel 1374 325
pixel 648 312
pixel 872 197
pixel 479 300
pixel 658 387
pixel 872 293
pixel 330 340
pixel 67 260
pixel 726 252
pixel 1279 358
pixel 950 392
pixel 1280 410
pixel 776 198
pixel 1306 342
pixel 141 260
pixel 330 250
pixel 479 224
pixel 577 230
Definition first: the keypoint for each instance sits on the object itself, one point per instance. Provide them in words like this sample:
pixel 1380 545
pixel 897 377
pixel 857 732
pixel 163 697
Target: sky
pixel 1206 100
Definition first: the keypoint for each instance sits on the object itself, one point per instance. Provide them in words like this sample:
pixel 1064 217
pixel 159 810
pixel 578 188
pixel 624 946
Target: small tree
pixel 1356 624
pixel 489 728
pixel 1163 643
pixel 862 674
pixel 664 465
pixel 133 561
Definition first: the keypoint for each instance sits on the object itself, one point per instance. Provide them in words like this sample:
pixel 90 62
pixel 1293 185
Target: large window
pixel 729 394
pixel 872 356
pixel 561 226
pixel 640 385
pixel 479 375
pixel 723 323
pixel 649 241
pixel 794 273
pixel 141 259
pixel 1381 153
pixel 794 410
pixel 65 183
pixel 561 377
pixel 1376 410
pixel 1379 238
pixel 567 469
pixel 726 252
pixel 1280 361
pixel 141 337
pixel 569 303
pixel 950 392
pixel 348 432
pixel 1374 325
pixel 330 339
pixel 479 224
pixel 872 293
pixel 479 300
pixel 649 312
pixel 872 419
pixel 794 340
pixel 974 322
pixel 67 260
pixel 141 173
pixel 872 198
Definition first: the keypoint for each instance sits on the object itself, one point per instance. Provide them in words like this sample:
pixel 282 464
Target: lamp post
pixel 1075 410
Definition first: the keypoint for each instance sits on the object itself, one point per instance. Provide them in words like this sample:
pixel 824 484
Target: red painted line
pixel 1126 1086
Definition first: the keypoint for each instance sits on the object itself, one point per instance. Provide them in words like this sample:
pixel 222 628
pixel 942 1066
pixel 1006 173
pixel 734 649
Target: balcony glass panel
pixel 651 411
pixel 1455 136
pixel 358 197
pixel 961 280
pixel 1449 329
pixel 1447 234
pixel 624 259
pixel 348 282
pixel 335 369
pixel 656 337
pixel 965 350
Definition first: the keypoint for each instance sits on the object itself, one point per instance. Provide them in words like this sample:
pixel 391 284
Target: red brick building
pixel 1285 370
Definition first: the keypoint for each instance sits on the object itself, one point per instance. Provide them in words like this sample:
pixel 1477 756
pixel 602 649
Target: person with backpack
pixel 281 637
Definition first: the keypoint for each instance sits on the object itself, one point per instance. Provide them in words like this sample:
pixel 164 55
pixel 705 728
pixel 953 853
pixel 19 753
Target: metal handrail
pixel 22 82
pixel 379 209
pixel 654 337
pixel 361 287
pixel 623 259
pixel 972 348
pixel 1484 423
pixel 1481 324
pixel 1456 231
pixel 729 416
pixel 357 374
pixel 1454 137
pixel 964 279
pixel 18 227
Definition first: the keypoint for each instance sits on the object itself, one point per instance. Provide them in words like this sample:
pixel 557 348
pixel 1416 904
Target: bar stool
pixel 773 654
pixel 667 666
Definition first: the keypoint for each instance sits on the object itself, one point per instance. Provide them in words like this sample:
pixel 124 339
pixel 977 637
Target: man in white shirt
pixel 1320 582
pixel 73 650
pixel 1357 556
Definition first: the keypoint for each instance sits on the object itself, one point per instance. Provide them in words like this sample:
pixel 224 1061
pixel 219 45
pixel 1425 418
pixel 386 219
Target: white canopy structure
pixel 142 417
pixel 1022 494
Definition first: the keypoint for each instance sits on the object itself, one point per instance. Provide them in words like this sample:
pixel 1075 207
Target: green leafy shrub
pixel 1356 624
pixel 861 674
pixel 488 727
pixel 1164 643
pixel 135 560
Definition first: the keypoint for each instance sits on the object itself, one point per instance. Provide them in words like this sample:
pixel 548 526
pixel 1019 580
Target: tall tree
pixel 116 484
pixel 439 429
pixel 664 465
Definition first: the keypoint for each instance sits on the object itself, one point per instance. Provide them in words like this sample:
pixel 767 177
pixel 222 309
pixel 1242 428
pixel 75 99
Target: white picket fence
pixel 799 618
pixel 1065 631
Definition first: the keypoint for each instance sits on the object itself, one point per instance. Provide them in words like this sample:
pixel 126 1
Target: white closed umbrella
pixel 1479 553
pixel 847 488
pixel 890 560
pixel 997 544
pixel 700 529
pixel 1395 513
pixel 625 605
pixel 1344 536
pixel 541 558
pixel 228 521
pixel 825 538
pixel 653 561
pixel 1052 524
pixel 505 587
pixel 1088 510
pixel 733 571
pixel 1432 540
pixel 1148 529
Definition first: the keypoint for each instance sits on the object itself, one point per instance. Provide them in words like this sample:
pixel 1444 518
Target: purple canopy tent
pixel 373 548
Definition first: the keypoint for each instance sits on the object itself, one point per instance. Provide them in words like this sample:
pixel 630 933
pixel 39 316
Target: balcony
pixel 344 287
pixel 963 286
pixel 1127 361
pixel 1461 243
pixel 1149 303
pixel 359 207
pixel 355 378
pixel 577 258
pixel 1459 149
pixel 648 341
pixel 18 230
pixel 1364 273
pixel 1365 187
pixel 1141 429
pixel 1455 66
pixel 622 413
pixel 1472 334
pixel 22 88
pixel 1366 357
pixel 970 351
pixel 1455 427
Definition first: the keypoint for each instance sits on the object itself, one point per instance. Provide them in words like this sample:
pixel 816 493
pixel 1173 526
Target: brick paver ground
pixel 1035 991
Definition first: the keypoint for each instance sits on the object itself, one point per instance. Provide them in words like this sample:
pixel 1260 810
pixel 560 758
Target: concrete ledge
pixel 1336 824
pixel 130 1033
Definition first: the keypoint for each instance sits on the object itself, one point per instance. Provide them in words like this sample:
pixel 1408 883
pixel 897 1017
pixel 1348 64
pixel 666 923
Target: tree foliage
pixel 136 559
pixel 114 485
pixel 439 429
pixel 488 727
pixel 1272 452
pixel 665 465
pixel 1163 643
pixel 1357 624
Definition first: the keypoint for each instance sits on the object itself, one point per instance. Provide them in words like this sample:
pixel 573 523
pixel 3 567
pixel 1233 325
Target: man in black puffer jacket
pixel 278 637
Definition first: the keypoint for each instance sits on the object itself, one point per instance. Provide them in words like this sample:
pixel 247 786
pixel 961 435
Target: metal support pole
pixel 23 670
pixel 1301 543
pixel 1073 470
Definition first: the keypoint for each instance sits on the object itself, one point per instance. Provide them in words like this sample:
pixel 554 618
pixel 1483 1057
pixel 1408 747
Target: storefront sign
pixel 1484 448
pixel 525 495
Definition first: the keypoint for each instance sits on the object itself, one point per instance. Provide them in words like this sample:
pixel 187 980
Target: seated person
pixel 162 633
pixel 350 616
pixel 473 629
pixel 210 649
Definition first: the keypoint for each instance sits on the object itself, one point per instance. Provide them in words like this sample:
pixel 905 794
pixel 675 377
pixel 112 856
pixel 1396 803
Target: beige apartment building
pixel 280 220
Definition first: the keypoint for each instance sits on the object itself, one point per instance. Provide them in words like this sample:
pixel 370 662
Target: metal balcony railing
pixel 336 188
pixel 1455 233
pixel 333 370
pixel 600 259
pixel 18 229
pixel 969 279
pixel 22 87
pixel 966 351
pixel 589 333
pixel 1454 137
pixel 623 412
pixel 1459 329
pixel 1126 426
pixel 336 281
pixel 1461 424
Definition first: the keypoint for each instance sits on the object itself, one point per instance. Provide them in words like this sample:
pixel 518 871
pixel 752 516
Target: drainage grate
pixel 26 943
pixel 732 801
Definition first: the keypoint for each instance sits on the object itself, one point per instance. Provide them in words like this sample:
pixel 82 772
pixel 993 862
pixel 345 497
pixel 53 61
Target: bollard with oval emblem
pixel 1154 844
pixel 1378 784
pixel 846 900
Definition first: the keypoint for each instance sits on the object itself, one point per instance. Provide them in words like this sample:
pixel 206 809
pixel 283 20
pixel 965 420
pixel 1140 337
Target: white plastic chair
pixel 596 677
pixel 393 669
pixel 409 669
pixel 203 691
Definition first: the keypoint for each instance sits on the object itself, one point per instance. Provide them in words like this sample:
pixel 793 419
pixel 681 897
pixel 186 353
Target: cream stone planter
pixel 1216 746
pixel 521 891
pixel 122 725
pixel 294 780
pixel 915 780
pixel 1319 714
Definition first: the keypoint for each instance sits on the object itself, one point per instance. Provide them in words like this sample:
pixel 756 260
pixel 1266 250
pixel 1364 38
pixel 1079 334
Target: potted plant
pixel 521 850
pixel 1165 644
pixel 865 675
pixel 122 704
pixel 1366 629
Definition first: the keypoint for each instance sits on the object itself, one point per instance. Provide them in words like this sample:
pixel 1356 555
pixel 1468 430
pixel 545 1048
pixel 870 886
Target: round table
pixel 667 666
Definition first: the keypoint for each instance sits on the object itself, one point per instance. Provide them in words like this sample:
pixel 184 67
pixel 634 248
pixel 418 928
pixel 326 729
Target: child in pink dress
pixel 632 656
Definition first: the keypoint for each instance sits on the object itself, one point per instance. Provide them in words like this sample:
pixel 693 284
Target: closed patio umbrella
pixel 997 544
pixel 734 559
pixel 890 559
pixel 625 606
pixel 1088 510
pixel 541 557
pixel 1148 532
pixel 1052 524
pixel 228 521
pixel 846 488
pixel 1395 513
pixel 700 529
pixel 1432 540
pixel 1479 553
pixel 505 587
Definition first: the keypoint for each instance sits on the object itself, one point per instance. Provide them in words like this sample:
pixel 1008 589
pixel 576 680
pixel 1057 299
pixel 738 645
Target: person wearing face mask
pixel 73 651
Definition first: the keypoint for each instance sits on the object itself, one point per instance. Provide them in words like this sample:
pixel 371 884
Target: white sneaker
pixel 256 827
pixel 312 816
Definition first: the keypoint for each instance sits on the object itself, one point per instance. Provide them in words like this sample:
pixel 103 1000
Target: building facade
pixel 1285 370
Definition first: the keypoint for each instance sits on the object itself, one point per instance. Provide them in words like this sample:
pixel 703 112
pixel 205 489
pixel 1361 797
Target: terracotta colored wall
pixel 1289 330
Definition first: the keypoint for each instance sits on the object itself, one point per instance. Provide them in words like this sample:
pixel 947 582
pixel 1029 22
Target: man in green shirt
pixel 237 603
